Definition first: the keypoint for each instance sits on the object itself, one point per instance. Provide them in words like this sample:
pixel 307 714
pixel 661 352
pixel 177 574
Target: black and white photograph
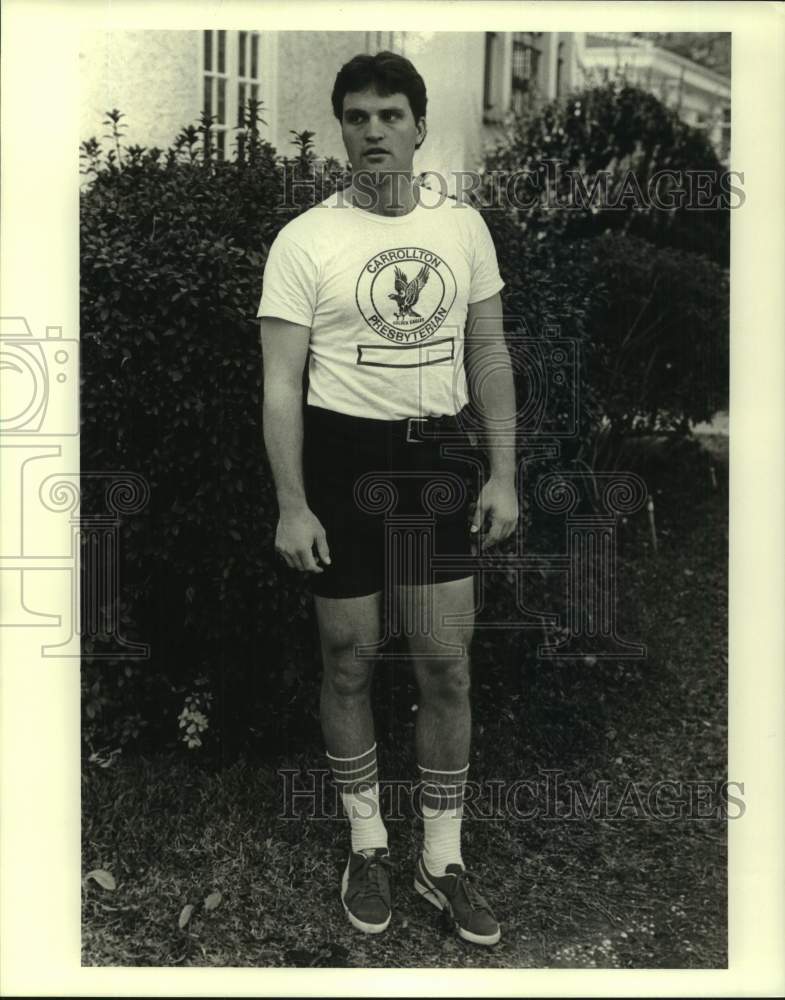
pixel 399 489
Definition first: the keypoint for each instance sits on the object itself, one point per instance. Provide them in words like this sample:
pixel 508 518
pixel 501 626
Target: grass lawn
pixel 630 891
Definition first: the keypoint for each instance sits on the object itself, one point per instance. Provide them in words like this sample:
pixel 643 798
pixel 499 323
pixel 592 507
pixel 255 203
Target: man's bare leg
pixel 443 731
pixel 346 718
pixel 347 726
pixel 443 737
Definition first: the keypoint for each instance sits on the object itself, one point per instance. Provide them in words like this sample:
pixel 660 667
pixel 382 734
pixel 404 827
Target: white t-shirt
pixel 385 298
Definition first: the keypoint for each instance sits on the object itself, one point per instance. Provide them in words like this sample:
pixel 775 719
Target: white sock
pixel 442 812
pixel 442 844
pixel 358 781
pixel 365 818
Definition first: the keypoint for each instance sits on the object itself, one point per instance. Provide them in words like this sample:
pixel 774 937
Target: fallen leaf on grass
pixel 103 878
pixel 213 900
pixel 185 915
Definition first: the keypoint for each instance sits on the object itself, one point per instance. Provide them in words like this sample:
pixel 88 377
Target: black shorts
pixel 394 502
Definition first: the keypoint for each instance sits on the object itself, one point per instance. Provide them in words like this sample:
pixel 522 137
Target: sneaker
pixel 365 890
pixel 455 893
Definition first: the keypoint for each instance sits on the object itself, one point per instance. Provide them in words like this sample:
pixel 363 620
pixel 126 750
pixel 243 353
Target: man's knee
pixel 444 679
pixel 344 673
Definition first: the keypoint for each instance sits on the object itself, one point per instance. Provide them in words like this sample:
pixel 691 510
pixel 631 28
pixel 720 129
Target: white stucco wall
pixel 153 77
pixel 307 64
pixel 452 64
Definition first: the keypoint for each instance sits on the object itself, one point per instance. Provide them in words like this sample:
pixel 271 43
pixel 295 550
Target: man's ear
pixel 423 132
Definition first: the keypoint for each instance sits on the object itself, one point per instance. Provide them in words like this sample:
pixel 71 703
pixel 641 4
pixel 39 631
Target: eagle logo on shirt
pixel 407 292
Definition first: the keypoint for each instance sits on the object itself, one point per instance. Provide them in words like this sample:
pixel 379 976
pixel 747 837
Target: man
pixel 382 296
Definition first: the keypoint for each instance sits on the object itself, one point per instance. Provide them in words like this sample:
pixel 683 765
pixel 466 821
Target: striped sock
pixel 358 781
pixel 442 813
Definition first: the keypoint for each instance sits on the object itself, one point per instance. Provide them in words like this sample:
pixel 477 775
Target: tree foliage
pixel 595 161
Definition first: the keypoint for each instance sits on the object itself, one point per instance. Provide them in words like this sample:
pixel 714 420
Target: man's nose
pixel 374 129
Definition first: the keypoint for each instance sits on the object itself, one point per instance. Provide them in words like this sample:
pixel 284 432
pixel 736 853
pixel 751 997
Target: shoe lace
pixel 369 879
pixel 465 881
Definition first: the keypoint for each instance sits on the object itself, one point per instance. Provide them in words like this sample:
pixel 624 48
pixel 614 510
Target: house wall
pixel 151 76
pixel 154 78
pixel 307 62
pixel 452 65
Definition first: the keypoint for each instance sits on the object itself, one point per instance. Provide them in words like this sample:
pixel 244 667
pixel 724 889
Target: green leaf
pixel 185 915
pixel 213 901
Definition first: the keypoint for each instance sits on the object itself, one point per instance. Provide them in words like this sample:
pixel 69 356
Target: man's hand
pixel 297 533
pixel 499 502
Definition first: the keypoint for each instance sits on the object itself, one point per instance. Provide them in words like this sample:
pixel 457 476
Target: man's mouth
pixel 376 152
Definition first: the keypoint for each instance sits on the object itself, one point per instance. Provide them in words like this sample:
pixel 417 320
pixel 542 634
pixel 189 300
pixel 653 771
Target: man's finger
pixel 509 529
pixel 492 538
pixel 494 535
pixel 308 563
pixel 477 519
pixel 499 532
pixel 323 549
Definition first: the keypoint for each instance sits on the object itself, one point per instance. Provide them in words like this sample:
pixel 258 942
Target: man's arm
pixel 284 351
pixel 492 390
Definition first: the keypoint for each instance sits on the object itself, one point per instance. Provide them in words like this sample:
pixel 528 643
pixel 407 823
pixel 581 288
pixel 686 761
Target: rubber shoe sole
pixel 441 902
pixel 361 925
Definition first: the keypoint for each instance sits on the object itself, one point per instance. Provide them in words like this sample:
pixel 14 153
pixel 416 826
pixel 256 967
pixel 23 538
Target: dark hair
pixel 388 73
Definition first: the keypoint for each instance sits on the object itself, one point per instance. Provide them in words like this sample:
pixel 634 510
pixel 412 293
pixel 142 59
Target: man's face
pixel 380 133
